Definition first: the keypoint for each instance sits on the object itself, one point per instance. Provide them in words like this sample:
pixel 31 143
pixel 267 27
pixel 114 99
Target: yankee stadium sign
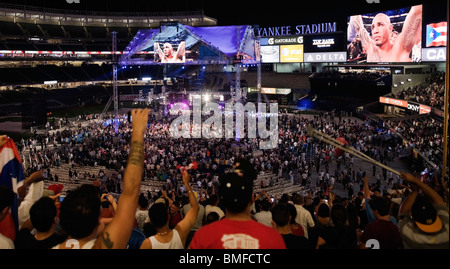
pixel 304 29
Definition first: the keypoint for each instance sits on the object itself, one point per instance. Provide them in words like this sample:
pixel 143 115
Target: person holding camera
pixel 167 237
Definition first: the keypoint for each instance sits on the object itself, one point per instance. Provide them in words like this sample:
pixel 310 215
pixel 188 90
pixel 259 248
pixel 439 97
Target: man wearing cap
pixel 423 219
pixel 237 230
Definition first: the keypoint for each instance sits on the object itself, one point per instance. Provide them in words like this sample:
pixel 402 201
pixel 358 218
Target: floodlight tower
pixel 115 90
pixel 237 66
pixel 446 107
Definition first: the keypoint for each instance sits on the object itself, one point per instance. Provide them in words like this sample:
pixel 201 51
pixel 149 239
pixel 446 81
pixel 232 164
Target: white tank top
pixel 175 243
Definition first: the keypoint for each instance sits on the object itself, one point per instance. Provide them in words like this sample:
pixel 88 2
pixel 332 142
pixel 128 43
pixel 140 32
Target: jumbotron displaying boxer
pixel 168 54
pixel 384 43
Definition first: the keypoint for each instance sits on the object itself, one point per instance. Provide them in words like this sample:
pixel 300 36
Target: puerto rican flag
pixel 11 174
pixel 437 34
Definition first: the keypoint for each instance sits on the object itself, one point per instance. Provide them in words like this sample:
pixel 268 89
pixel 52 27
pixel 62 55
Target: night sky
pixel 240 12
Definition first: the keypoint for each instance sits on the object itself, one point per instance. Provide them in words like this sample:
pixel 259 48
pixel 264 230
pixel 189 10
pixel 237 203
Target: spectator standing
pixel 80 210
pixel 237 230
pixel 322 220
pixel 201 217
pixel 213 206
pixel 25 190
pixel 264 216
pixel 304 217
pixel 6 201
pixel 423 219
pixel 142 212
pixel 281 218
pixel 43 218
pixel 339 235
pixel 382 229
pixel 167 238
pixel 296 228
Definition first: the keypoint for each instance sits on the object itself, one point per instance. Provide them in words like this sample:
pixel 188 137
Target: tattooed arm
pixel 117 233
pixel 358 26
pixel 412 29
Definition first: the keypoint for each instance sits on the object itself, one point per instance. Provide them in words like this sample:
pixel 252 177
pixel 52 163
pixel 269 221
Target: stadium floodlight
pixel 146 79
pixel 50 82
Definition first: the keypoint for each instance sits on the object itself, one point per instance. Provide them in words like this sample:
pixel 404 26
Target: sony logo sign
pixel 413 107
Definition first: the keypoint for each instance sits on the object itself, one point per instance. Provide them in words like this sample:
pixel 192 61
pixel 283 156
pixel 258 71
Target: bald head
pixel 381 17
pixel 381 29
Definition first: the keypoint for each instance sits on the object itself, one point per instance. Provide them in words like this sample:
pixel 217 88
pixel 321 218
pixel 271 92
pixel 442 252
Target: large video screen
pixel 393 36
pixel 170 53
pixel 175 43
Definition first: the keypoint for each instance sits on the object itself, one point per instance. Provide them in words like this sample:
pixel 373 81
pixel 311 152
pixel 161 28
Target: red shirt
pixel 231 234
pixel 7 227
pixel 386 232
pixel 299 231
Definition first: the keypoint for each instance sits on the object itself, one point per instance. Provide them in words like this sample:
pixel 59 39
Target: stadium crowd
pixel 407 213
pixel 432 93
pixel 423 134
pixel 369 76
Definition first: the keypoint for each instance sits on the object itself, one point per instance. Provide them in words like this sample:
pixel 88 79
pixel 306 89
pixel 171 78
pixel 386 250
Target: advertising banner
pixel 324 42
pixel 270 54
pixel 291 53
pixel 434 54
pixel 392 101
pixel 325 57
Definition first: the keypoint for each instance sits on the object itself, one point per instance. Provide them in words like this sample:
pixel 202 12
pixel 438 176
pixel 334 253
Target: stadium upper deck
pixel 38 29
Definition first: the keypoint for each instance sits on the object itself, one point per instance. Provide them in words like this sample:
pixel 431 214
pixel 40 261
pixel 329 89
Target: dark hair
pixel 235 192
pixel 43 213
pixel 380 204
pixel 158 214
pixel 211 217
pixel 338 214
pixel 213 199
pixel 297 199
pixel 323 211
pixel 352 215
pixel 292 212
pixel 80 211
pixel 6 197
pixel 105 204
pixel 265 205
pixel 248 169
pixel 142 201
pixel 281 214
pixel 236 188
